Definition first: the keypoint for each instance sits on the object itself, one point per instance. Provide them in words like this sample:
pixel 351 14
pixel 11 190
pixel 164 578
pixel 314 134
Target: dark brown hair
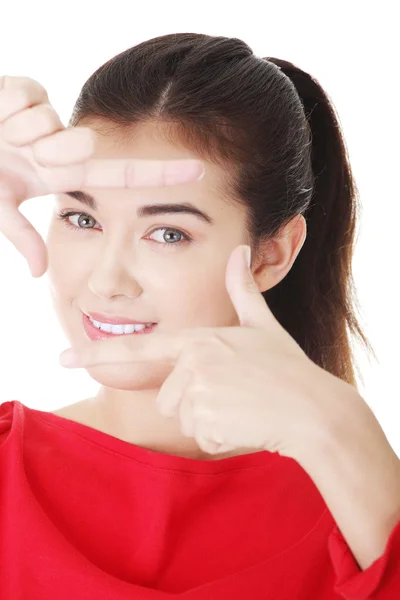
pixel 273 129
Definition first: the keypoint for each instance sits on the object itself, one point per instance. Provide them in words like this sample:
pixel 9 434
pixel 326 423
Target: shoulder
pixel 80 411
pixel 6 414
pixel 6 418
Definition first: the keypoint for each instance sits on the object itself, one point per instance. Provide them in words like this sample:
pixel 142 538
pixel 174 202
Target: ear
pixel 277 255
pixel 250 306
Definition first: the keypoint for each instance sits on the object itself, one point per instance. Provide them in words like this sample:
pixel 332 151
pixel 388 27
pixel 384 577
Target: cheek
pixel 66 287
pixel 198 299
pixel 65 273
pixel 66 267
pixel 66 278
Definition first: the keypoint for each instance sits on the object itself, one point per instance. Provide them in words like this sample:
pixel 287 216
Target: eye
pixel 64 216
pixel 167 236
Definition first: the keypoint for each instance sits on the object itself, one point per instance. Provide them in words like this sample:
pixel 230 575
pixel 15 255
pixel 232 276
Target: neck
pixel 132 416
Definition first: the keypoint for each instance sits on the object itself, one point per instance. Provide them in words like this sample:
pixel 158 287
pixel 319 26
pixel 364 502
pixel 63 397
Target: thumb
pixel 251 308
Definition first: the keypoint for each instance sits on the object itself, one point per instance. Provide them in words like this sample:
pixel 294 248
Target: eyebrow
pixel 148 210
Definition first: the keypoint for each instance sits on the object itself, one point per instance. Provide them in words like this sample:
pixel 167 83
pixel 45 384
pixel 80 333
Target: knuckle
pixel 28 92
pixel 47 117
pixel 204 337
pixel 34 88
pixel 26 126
pixel 196 349
pixel 23 97
pixel 130 173
pixel 18 81
pixel 202 347
pixel 250 286
pixel 190 360
pixel 29 82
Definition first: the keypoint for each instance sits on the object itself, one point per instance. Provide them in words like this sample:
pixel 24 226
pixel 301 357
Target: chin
pixel 130 377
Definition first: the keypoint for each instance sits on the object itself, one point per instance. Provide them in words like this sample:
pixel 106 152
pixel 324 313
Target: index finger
pixel 122 173
pixel 153 347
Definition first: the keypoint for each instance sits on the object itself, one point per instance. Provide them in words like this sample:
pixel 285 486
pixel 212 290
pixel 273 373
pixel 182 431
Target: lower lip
pixel 96 334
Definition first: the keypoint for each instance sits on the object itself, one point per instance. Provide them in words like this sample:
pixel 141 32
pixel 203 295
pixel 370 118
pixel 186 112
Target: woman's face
pixel 143 268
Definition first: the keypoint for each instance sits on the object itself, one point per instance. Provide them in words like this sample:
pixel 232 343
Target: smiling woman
pixel 148 256
pixel 207 462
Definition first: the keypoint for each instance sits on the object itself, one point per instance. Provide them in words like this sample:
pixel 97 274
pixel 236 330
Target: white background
pixel 350 47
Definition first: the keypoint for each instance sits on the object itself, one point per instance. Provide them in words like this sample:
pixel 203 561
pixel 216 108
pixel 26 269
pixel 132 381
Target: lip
pixel 96 334
pixel 114 320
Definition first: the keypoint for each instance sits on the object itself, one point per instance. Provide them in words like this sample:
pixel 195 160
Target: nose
pixel 113 276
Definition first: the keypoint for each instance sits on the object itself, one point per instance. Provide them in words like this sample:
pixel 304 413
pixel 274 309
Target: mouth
pixel 95 332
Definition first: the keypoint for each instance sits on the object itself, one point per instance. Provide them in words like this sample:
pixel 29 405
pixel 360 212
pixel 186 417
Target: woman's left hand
pixel 233 387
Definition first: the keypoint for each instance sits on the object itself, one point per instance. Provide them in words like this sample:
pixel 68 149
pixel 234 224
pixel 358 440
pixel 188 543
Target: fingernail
pixel 182 171
pixel 69 358
pixel 201 175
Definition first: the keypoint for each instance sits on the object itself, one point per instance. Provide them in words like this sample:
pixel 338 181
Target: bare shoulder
pixel 78 411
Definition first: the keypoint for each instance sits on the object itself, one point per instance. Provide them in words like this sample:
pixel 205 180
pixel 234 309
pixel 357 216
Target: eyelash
pixel 63 216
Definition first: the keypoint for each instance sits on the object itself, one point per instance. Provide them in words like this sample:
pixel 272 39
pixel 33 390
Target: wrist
pixel 336 407
pixel 358 475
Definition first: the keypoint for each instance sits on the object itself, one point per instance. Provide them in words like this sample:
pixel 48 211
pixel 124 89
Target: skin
pixel 109 267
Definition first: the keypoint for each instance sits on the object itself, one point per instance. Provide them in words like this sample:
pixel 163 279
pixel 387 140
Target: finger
pixel 205 444
pixel 32 124
pixel 222 448
pixel 23 235
pixel 185 414
pixel 206 433
pixel 153 347
pixel 172 392
pixel 110 172
pixel 18 93
pixel 245 295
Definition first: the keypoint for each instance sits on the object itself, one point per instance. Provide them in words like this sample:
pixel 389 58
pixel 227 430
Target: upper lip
pixel 115 320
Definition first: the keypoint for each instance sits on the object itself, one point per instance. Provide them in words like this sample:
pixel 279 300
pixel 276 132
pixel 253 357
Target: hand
pixel 39 156
pixel 247 386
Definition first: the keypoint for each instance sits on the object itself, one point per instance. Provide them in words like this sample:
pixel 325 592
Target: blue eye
pixel 64 216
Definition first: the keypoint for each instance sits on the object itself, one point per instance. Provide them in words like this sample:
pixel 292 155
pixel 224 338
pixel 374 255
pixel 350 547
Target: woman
pixel 228 452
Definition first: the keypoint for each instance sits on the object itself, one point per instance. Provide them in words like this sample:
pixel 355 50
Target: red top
pixel 85 515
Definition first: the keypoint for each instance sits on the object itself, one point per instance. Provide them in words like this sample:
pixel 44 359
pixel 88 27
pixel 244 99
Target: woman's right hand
pixel 39 156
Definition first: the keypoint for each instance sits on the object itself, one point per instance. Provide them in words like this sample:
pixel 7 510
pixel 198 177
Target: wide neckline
pixel 155 459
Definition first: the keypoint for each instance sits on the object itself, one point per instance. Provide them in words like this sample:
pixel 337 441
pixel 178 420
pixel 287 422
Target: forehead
pixel 144 140
pixel 150 141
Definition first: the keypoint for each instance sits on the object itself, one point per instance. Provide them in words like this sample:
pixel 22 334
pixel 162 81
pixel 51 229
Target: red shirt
pixel 88 516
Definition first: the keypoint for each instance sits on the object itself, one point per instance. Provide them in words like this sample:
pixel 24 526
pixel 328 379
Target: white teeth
pixel 118 329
